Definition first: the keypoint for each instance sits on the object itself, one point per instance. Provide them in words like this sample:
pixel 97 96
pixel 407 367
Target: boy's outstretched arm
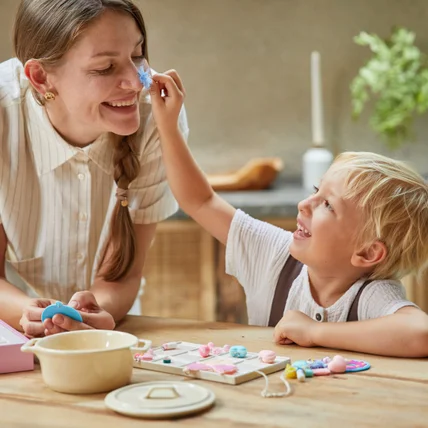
pixel 188 183
pixel 402 334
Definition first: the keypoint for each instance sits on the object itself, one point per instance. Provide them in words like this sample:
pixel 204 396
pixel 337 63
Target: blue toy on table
pixel 59 308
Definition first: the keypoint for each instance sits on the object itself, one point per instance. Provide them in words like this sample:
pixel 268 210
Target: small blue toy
pixel 145 75
pixel 59 308
pixel 238 351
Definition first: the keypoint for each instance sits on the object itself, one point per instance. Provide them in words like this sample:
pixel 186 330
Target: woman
pixel 82 184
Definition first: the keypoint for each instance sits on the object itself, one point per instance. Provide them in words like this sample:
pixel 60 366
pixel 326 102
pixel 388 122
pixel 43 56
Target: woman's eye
pixel 105 70
pixel 138 58
pixel 327 205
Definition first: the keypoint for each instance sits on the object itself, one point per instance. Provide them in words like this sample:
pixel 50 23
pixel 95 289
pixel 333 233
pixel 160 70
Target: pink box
pixel 11 357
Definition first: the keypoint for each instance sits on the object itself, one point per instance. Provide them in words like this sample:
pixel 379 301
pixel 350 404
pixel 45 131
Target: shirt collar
pixel 50 150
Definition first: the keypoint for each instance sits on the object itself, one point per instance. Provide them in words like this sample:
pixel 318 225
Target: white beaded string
pixel 266 394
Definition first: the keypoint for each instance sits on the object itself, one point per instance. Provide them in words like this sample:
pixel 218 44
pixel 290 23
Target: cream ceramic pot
pixel 86 361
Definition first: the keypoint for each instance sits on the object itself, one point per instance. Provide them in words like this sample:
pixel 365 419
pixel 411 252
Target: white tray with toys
pixel 233 365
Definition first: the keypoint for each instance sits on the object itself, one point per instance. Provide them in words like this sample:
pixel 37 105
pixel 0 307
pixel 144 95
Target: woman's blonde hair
pixel 394 203
pixel 45 30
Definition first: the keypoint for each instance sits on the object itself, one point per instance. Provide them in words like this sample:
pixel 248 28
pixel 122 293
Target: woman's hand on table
pixel 94 317
pixel 295 327
pixel 31 320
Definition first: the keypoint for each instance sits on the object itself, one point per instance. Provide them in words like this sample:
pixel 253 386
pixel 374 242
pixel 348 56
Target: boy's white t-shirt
pixel 256 252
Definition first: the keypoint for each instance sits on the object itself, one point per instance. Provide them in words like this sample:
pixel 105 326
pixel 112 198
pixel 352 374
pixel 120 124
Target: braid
pixel 122 235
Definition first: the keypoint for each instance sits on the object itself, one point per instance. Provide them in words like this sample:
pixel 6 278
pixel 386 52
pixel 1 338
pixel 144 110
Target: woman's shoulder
pixel 13 82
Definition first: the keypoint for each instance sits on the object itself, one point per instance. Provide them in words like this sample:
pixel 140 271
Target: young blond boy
pixel 357 235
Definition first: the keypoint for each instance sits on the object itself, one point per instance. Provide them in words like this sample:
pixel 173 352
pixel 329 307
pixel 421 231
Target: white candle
pixel 317 114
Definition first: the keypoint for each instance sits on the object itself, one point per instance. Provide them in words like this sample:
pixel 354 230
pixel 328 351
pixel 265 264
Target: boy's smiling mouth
pixel 301 231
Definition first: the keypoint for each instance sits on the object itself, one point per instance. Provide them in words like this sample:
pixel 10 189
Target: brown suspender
pixel 289 273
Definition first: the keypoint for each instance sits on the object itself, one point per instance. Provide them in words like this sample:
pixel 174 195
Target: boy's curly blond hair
pixel 394 202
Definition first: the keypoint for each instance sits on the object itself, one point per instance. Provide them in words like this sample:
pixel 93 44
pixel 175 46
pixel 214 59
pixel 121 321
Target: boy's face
pixel 326 227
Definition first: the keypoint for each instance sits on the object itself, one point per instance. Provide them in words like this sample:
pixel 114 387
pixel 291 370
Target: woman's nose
pixel 130 79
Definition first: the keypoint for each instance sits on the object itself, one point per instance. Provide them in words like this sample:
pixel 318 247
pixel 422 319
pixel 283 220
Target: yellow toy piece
pixel 290 372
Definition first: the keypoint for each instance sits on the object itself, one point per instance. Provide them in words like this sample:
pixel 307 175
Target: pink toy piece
pixel 225 368
pixel 148 356
pixel 326 360
pixel 11 357
pixel 204 351
pixel 169 346
pixel 226 348
pixel 210 345
pixel 197 367
pixel 216 351
pixel 267 356
pixel 321 372
pixel 337 364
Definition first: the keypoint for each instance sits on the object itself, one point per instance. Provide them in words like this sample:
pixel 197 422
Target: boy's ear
pixel 370 255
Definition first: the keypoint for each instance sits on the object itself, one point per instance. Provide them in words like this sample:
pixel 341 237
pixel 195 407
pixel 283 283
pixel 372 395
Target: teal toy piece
pixel 59 308
pixel 238 351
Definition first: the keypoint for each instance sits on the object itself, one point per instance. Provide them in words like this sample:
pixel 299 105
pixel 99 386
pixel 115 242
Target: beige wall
pixel 245 64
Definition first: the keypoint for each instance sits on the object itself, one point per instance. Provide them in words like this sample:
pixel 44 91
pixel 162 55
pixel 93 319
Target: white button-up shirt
pixel 56 199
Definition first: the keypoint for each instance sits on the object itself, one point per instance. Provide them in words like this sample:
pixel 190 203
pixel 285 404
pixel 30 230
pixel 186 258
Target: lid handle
pixel 162 392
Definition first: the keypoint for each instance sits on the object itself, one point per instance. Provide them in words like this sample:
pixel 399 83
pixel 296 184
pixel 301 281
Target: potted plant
pixel 396 79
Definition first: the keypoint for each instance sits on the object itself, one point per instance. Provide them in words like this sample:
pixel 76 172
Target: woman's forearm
pixel 403 334
pixel 12 303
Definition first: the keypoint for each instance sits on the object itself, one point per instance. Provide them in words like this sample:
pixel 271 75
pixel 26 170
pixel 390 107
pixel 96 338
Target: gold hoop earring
pixel 49 96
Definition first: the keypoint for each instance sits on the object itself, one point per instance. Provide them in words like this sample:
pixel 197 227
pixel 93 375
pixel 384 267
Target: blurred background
pixel 246 67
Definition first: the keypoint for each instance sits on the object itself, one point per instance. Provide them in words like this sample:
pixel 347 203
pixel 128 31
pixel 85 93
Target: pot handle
pixel 29 346
pixel 147 345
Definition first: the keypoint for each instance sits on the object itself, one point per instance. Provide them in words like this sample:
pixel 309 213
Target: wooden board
pixel 187 353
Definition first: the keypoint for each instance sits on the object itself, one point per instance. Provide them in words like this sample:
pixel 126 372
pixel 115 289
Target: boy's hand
pixel 295 327
pixel 167 94
pixel 94 317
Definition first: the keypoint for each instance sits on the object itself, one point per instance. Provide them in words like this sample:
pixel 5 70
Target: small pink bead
pixel 226 348
pixel 210 345
pixel 216 351
pixel 337 364
pixel 204 351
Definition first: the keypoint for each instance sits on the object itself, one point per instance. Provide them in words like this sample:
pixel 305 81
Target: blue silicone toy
pixel 59 308
pixel 238 351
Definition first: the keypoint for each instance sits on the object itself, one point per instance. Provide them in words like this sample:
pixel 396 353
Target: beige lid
pixel 160 399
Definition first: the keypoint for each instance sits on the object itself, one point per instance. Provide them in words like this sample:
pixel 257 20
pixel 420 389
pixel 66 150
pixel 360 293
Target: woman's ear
pixel 370 255
pixel 37 75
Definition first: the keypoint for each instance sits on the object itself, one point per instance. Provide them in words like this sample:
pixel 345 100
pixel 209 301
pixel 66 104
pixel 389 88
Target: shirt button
pixel 83 217
pixel 319 317
pixel 81 176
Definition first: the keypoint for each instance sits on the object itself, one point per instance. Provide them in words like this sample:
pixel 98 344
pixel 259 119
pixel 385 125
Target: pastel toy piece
pixel 216 351
pixel 167 360
pixel 326 360
pixel 238 351
pixel 169 346
pixel 145 74
pixel 226 348
pixel 225 368
pixel 210 345
pixel 300 375
pixel 197 367
pixel 309 373
pixel 321 372
pixel 267 356
pixel 204 351
pixel 317 364
pixel 290 372
pixel 148 356
pixel 337 364
pixel 59 308
pixel 356 366
pixel 300 364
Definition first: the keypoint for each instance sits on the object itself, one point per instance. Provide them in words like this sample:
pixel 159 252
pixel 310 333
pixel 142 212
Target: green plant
pixel 396 76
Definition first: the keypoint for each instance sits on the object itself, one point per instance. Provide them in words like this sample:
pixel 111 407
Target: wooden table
pixel 393 393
